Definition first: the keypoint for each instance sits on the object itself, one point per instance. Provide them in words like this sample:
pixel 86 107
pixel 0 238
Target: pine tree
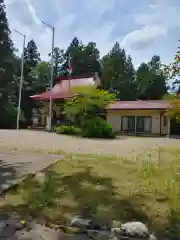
pixel 32 58
pixel 118 74
pixel 58 60
pixel 6 69
pixel 150 80
pixel 31 55
pixel 84 59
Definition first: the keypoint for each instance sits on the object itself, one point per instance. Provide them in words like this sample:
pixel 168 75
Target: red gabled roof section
pixel 62 88
pixel 47 95
pixel 135 105
pixel 65 78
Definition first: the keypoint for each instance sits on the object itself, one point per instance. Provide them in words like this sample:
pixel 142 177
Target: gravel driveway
pixel 39 140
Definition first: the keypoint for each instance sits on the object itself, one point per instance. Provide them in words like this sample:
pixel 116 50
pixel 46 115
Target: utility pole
pixel 69 71
pixel 21 81
pixel 51 79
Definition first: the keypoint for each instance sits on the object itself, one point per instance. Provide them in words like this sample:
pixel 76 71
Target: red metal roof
pixel 130 105
pixel 48 95
pixel 61 90
pixel 65 78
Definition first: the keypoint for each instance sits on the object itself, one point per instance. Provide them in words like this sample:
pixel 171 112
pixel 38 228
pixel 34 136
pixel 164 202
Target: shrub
pixel 70 130
pixel 97 128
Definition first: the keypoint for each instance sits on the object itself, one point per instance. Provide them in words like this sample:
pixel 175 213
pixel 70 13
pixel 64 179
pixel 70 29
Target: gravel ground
pixel 39 140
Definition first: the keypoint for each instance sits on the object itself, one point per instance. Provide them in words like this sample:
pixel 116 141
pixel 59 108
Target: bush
pixel 70 130
pixel 97 128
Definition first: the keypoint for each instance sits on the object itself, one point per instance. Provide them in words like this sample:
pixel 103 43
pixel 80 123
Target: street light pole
pixel 52 72
pixel 21 81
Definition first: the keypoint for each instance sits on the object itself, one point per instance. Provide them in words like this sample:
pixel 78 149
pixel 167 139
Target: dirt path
pixel 37 140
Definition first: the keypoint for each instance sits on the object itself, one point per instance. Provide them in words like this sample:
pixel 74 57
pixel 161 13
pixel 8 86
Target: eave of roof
pixel 139 105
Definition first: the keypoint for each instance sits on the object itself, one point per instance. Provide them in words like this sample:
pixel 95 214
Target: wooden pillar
pixel 135 124
pixel 160 130
pixel 169 125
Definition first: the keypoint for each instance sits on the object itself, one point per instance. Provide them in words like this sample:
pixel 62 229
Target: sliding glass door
pixel 128 123
pixel 136 123
pixel 143 124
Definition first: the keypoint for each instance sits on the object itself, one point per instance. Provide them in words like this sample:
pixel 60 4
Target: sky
pixel 143 27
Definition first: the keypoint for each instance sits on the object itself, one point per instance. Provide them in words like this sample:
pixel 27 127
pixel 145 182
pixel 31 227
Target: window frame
pixel 144 131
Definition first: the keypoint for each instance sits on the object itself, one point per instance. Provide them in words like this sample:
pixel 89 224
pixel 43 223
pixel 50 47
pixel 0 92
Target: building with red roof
pixel 129 117
pixel 140 117
pixel 62 90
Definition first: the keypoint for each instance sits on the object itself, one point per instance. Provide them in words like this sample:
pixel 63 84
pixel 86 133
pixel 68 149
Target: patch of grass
pixel 107 188
pixel 174 151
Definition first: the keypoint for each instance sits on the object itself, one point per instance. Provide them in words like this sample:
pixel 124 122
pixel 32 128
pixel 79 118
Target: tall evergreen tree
pixel 31 54
pixel 150 80
pixel 118 73
pixel 7 60
pixel 84 59
pixel 58 60
pixel 32 58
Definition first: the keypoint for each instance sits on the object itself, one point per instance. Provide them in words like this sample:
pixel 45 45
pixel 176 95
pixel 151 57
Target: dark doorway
pixel 174 127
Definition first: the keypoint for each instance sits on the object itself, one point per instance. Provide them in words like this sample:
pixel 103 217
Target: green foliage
pixel 69 130
pixel 115 69
pixel 150 80
pixel 90 104
pixel 87 111
pixel 31 84
pixel 31 54
pixel 172 70
pixel 84 59
pixel 174 111
pixel 118 73
pixel 40 75
pixel 7 68
pixel 43 198
pixel 97 128
pixel 58 56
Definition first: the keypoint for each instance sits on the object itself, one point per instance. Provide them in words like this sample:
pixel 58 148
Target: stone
pixel 6 232
pixel 135 230
pixel 152 237
pixel 98 235
pixel 15 224
pixel 81 222
pixel 38 232
pixel 116 224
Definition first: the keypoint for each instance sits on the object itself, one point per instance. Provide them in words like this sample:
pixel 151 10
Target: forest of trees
pixel 116 70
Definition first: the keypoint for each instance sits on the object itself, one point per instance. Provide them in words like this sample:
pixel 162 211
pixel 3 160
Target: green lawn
pixel 145 189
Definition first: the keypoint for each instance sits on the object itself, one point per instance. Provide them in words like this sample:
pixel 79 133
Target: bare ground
pixel 43 141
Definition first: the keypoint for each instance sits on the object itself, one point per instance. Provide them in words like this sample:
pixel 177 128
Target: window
pixel 131 124
pixel 165 121
pixel 136 124
pixel 128 123
pixel 143 124
pixel 124 123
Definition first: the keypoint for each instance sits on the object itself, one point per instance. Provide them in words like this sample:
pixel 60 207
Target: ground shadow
pixel 9 174
pixel 95 196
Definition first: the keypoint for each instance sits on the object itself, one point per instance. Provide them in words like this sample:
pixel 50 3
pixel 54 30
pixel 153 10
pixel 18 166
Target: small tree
pixel 89 104
pixel 174 111
pixel 173 72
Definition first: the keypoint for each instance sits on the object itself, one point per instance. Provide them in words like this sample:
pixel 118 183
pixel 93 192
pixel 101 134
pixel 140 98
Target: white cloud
pixel 33 12
pixel 26 20
pixel 84 19
pixel 155 24
pixel 142 37
pixel 152 6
